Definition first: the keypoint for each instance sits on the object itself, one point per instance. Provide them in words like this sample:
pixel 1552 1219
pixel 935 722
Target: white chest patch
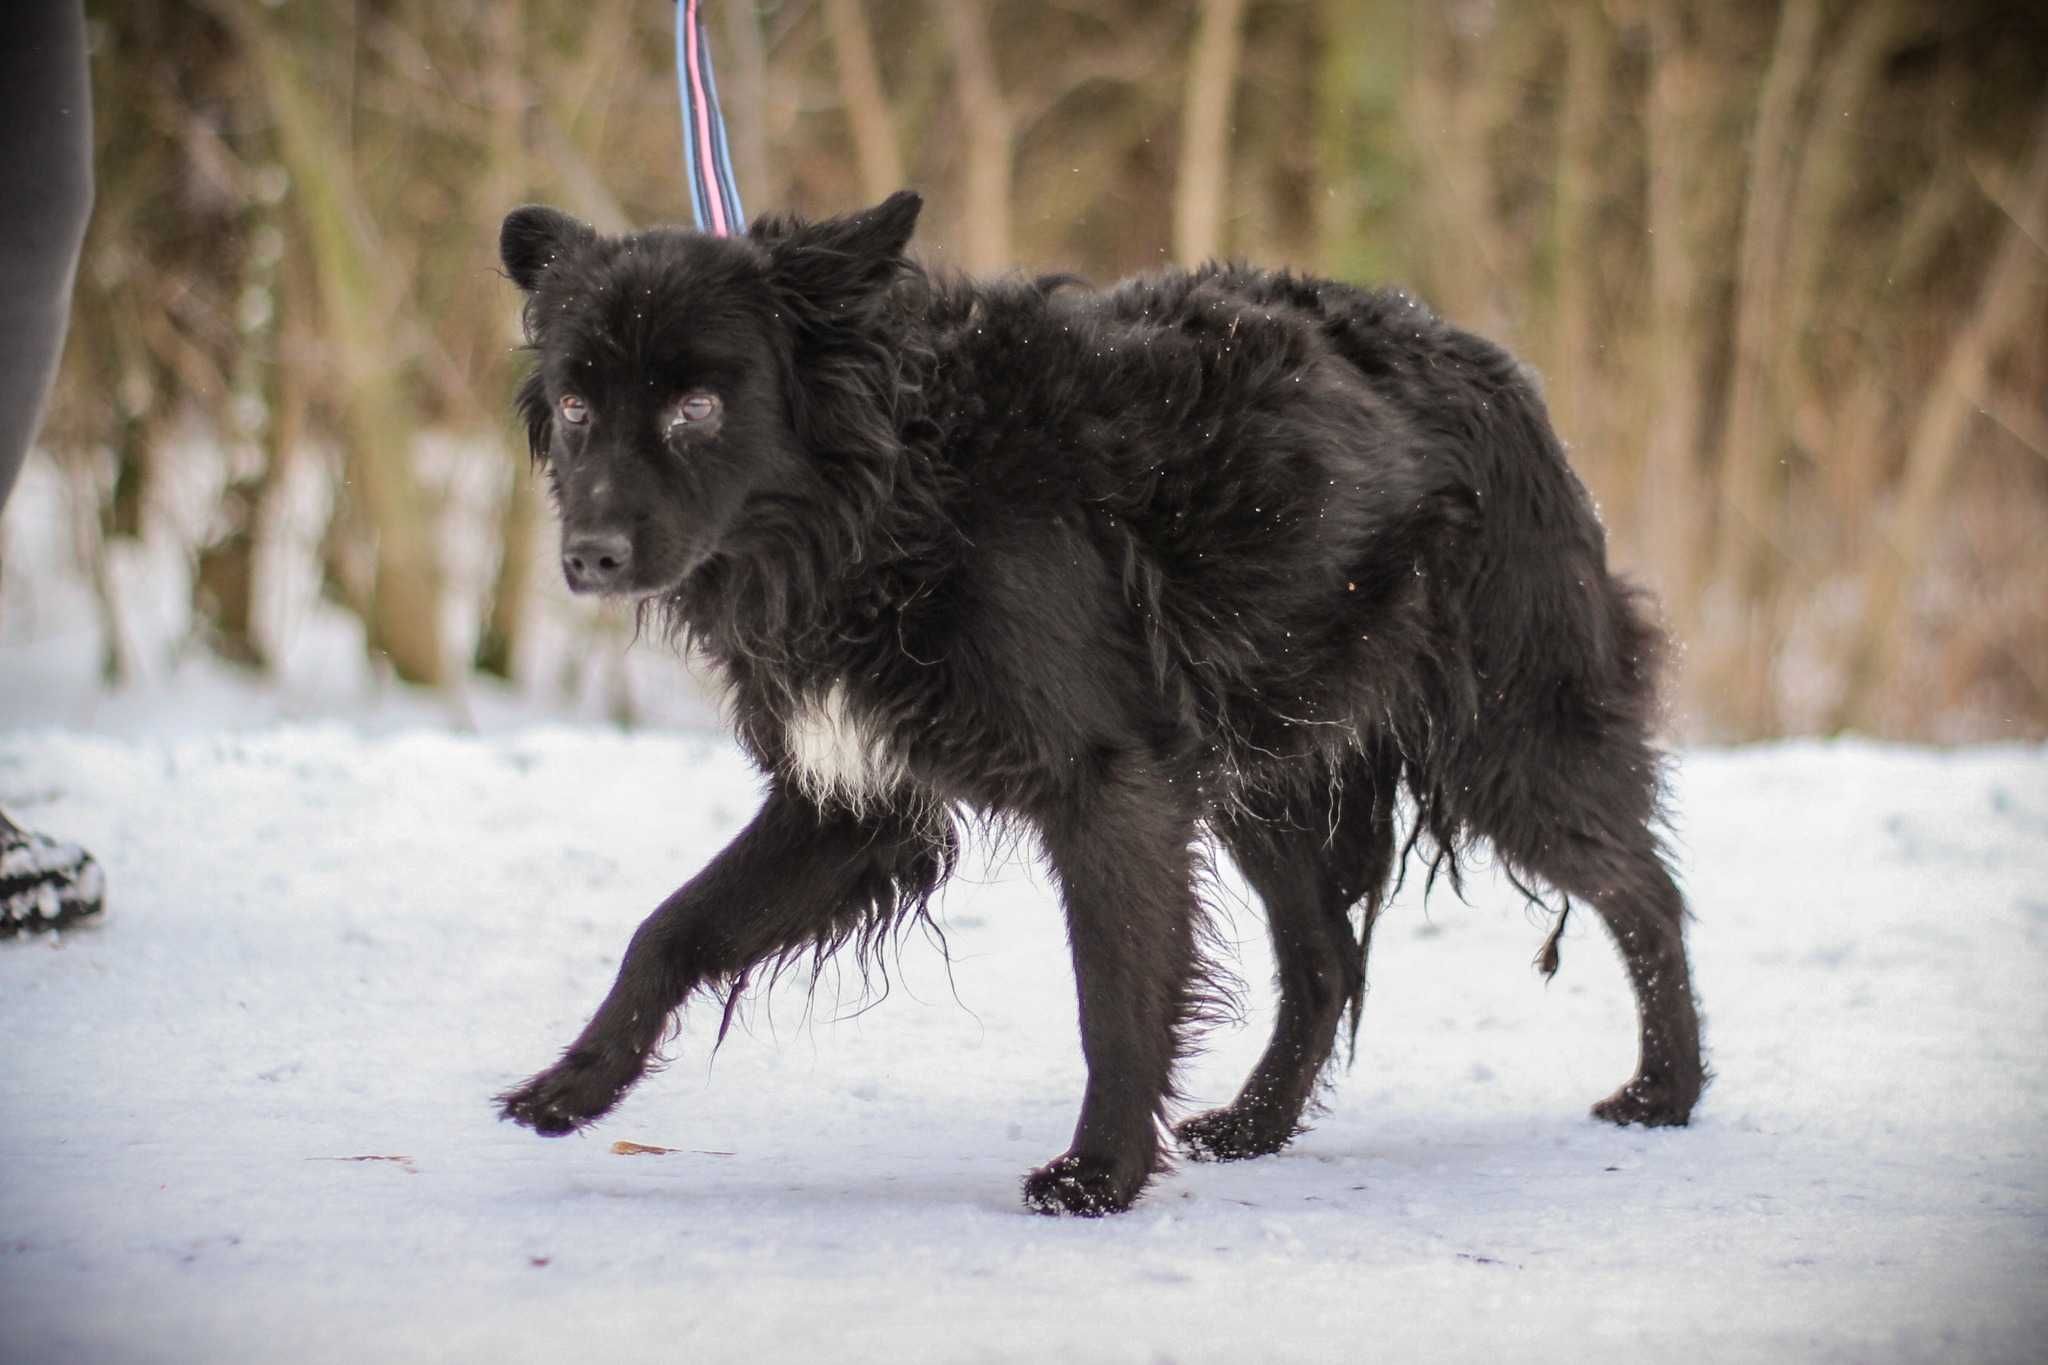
pixel 836 755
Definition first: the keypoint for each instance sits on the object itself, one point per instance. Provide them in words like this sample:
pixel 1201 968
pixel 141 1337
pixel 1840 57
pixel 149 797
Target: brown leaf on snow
pixel 624 1148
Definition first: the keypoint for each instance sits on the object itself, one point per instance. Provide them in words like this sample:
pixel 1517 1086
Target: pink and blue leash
pixel 707 161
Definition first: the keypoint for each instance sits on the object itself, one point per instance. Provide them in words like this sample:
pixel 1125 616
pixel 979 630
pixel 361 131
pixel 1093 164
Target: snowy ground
pixel 327 945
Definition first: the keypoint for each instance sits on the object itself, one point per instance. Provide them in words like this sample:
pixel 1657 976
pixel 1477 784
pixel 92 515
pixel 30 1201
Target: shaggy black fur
pixel 1225 549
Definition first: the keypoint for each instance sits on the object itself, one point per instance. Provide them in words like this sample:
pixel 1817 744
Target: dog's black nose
pixel 596 562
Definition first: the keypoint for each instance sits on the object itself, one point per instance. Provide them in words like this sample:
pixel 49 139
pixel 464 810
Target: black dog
pixel 1223 549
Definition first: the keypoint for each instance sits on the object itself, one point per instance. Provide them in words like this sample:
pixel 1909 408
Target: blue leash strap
pixel 707 161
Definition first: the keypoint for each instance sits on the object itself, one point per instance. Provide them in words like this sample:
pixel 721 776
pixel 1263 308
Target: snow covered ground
pixel 247 1117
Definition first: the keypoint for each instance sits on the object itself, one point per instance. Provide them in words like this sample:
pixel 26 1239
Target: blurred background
pixel 1783 267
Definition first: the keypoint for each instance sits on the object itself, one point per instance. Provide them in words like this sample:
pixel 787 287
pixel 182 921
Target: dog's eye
pixel 574 410
pixel 697 407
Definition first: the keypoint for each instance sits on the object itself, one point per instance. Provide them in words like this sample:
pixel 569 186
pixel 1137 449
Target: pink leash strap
pixel 707 161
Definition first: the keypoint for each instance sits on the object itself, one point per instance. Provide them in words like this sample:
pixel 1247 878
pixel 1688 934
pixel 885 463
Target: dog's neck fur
pixel 796 607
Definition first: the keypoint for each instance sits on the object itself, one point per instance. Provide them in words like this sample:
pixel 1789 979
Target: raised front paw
pixel 573 1093
pixel 1086 1186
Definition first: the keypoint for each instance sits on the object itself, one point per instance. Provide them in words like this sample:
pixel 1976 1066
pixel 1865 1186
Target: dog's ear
pixel 884 230
pixel 840 259
pixel 533 236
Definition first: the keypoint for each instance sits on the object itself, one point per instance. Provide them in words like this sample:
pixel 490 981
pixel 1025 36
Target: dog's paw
pixel 574 1093
pixel 1087 1187
pixel 1649 1102
pixel 1233 1134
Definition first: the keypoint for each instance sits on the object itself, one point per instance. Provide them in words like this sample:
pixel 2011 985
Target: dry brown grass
pixel 1782 267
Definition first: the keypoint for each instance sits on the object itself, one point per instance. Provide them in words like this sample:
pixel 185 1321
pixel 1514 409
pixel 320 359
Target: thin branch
pixel 2021 420
pixel 990 146
pixel 1205 133
pixel 867 108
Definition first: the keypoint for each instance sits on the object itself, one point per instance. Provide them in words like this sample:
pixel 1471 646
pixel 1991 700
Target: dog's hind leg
pixel 1585 825
pixel 1123 852
pixel 1644 911
pixel 798 877
pixel 1627 882
pixel 1309 862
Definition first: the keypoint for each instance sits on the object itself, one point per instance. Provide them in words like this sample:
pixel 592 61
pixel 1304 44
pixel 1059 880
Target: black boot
pixel 45 884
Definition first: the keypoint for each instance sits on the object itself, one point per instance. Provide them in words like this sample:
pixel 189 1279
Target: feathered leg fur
pixel 798 880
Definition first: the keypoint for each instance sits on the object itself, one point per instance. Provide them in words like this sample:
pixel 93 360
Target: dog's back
pixel 1322 511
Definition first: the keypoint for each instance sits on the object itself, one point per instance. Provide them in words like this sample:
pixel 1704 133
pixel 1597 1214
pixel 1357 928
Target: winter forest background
pixel 1784 268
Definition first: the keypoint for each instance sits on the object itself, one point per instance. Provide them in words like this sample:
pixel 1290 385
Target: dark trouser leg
pixel 46 153
pixel 797 878
pixel 46 156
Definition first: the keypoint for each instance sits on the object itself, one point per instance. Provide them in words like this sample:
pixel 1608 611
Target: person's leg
pixel 46 158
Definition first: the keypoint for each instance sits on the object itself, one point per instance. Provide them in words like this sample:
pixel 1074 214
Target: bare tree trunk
pixel 1670 492
pixel 121 515
pixel 1450 113
pixel 404 621
pixel 131 481
pixel 867 108
pixel 1751 480
pixel 286 439
pixel 224 582
pixel 1574 359
pixel 1850 450
pixel 1360 65
pixel 989 150
pixel 1750 451
pixel 1205 133
pixel 497 647
pixel 117 656
pixel 497 650
pixel 2004 302
pixel 582 185
pixel 224 576
pixel 1829 166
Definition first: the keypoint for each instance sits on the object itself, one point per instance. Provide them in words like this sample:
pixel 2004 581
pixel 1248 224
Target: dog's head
pixel 678 376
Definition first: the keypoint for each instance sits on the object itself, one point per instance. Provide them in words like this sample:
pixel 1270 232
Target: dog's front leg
pixel 797 875
pixel 1123 852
